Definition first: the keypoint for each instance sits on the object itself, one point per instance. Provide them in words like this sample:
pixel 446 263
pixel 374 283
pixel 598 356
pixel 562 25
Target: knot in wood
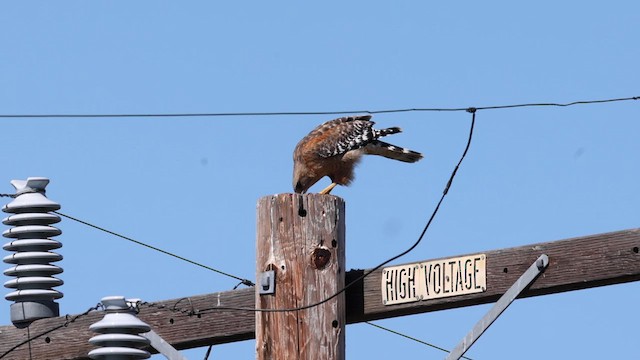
pixel 320 258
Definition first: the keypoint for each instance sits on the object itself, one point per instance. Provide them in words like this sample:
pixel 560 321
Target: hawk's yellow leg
pixel 328 189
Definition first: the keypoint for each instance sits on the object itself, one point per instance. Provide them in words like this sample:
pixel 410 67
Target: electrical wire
pixel 242 281
pixel 248 282
pixel 29 338
pixel 245 282
pixel 304 113
pixel 70 320
pixel 412 338
pixel 367 273
pixel 206 355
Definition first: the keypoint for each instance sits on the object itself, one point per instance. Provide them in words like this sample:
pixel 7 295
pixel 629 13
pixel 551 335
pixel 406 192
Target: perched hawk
pixel 334 148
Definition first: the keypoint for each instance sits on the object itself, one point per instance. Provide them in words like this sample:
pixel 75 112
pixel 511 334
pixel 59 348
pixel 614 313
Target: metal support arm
pixel 163 347
pixel 529 276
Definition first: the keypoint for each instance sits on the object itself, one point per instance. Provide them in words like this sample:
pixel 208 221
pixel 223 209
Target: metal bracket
pixel 267 282
pixel 529 276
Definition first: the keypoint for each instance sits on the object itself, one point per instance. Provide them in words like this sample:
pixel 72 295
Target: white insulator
pixel 119 332
pixel 31 244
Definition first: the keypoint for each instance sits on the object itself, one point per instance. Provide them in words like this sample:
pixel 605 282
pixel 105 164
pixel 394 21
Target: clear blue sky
pixel 190 185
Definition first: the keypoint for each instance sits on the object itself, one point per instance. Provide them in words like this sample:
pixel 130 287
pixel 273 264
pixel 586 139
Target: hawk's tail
pixel 387 150
pixel 385 132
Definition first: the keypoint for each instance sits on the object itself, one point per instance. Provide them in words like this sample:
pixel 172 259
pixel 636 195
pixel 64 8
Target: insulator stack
pixel 32 244
pixel 119 331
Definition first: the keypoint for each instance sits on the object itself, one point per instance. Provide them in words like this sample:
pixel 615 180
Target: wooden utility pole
pixel 300 261
pixel 194 321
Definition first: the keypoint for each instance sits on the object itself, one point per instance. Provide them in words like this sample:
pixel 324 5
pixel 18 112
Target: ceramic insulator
pixel 119 331
pixel 31 243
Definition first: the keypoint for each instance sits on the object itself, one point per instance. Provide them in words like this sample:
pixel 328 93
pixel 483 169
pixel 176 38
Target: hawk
pixel 334 148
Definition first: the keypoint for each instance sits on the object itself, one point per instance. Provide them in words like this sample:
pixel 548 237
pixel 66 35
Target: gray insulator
pixel 31 245
pixel 119 331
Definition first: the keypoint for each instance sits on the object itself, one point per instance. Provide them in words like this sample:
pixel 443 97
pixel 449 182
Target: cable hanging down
pixel 303 113
pixel 250 283
pixel 68 321
pixel 370 271
pixel 72 319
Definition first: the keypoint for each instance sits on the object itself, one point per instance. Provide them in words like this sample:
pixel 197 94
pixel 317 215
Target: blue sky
pixel 190 185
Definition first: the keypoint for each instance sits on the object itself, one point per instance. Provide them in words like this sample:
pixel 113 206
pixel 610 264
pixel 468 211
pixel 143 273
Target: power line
pixel 411 338
pixel 249 283
pixel 472 110
pixel 415 244
pixel 69 320
pixel 305 113
pixel 242 281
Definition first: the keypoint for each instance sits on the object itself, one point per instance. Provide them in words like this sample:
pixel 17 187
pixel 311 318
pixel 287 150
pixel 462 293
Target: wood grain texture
pixel 301 238
pixel 577 263
pixel 171 319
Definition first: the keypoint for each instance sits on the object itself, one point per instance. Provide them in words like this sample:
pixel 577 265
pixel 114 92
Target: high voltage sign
pixel 434 279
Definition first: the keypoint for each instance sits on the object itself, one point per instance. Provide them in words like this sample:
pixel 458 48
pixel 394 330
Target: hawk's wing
pixel 336 137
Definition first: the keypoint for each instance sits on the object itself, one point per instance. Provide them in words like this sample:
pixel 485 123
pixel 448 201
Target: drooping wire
pixel 206 355
pixel 70 320
pixel 370 271
pixel 302 113
pixel 243 281
pixel 29 338
pixel 246 282
pixel 411 338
